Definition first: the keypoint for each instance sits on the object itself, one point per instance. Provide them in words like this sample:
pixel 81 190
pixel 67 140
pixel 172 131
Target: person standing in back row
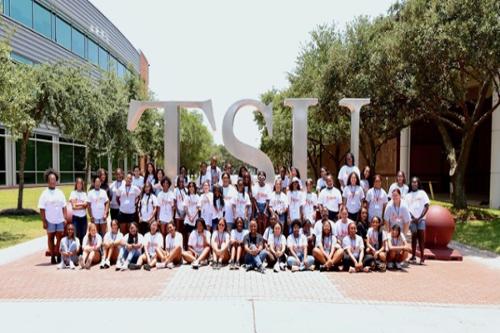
pixel 418 204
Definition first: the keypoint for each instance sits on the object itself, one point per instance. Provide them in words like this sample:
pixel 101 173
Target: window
pixel 22 11
pixel 42 20
pixel 38 158
pixel 63 33
pixel 2 157
pixel 92 52
pixel 113 64
pixel 103 58
pixel 20 58
pixel 120 70
pixel 71 160
pixel 6 7
pixel 78 43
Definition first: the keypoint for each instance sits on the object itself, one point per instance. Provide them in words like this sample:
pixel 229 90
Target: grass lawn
pixel 18 229
pixel 481 234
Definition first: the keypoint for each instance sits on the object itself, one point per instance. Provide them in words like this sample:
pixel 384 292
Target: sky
pixel 226 50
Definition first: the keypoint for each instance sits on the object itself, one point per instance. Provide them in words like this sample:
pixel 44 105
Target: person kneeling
pixel 253 244
pixel 353 250
pixel 298 260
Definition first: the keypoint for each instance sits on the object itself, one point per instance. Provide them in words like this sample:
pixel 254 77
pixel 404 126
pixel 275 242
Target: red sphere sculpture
pixel 439 230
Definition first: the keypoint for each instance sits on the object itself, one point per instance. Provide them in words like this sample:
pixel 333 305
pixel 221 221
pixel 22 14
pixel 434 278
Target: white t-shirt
pixel 376 199
pixel 295 201
pixel 240 202
pixel 278 202
pixel 191 202
pixel 140 239
pixel 238 235
pixel 309 207
pixel 153 242
pixel 261 193
pixel 128 195
pixel 206 207
pixel 111 237
pixel 66 244
pixel 150 179
pixel 180 196
pixel 115 186
pixel 80 197
pixel 285 182
pixel 341 229
pixel 202 179
pixel 139 182
pixel 320 184
pixel 399 241
pixel 279 242
pixel 196 240
pixel 97 201
pixel 318 228
pixel 148 203
pixel 220 238
pixel 397 215
pixel 298 244
pixel 356 245
pixel 172 242
pixel 229 194
pixel 218 209
pixel 372 236
pixel 330 198
pixel 354 197
pixel 416 202
pixel 327 242
pixel 95 241
pixel 53 201
pixel 365 185
pixel 403 189
pixel 165 203
pixel 345 171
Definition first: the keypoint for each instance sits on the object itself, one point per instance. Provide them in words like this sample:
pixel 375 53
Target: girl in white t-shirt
pixel 261 193
pixel 166 204
pixel 353 196
pixel 354 249
pixel 180 193
pixel 78 200
pixel 127 196
pixel 98 206
pixel 341 227
pixel 220 245
pixel 418 205
pixel 237 247
pixel 153 248
pixel 327 251
pixel 229 194
pixel 295 202
pixel 366 178
pixel 276 248
pixel 70 245
pixel 218 204
pixel 309 209
pixel 299 259
pixel 348 168
pixel 398 248
pixel 158 187
pixel 192 207
pixel 399 184
pixel 376 198
pixel 198 245
pixel 241 203
pixel 91 247
pixel 173 248
pixel 376 245
pixel 131 250
pixel 396 212
pixel 278 202
pixel 206 204
pixel 147 208
pixel 111 245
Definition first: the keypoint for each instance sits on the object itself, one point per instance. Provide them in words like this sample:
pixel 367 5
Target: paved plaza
pixel 456 295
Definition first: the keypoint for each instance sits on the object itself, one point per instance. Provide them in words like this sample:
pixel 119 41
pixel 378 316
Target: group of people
pixel 207 220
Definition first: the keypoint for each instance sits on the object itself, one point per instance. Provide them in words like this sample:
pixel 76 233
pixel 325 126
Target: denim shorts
pixel 420 225
pixel 55 227
pixel 100 221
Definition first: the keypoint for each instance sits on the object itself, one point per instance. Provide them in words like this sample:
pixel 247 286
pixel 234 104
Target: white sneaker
pixel 80 262
pixel 282 266
pixel 102 263
pixel 61 265
pixel 170 265
pixel 71 265
pixel 118 265
pixel 195 264
pixel 276 268
pixel 160 265
pixel 124 266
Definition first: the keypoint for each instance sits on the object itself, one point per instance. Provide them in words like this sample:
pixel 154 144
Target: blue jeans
pixel 80 224
pixel 72 248
pixel 130 256
pixel 255 261
pixel 420 225
pixel 260 209
pixel 292 261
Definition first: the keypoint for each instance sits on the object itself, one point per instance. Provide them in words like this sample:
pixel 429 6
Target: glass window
pixel 79 158
pixel 67 177
pixel 20 58
pixel 63 33
pixel 92 52
pixel 29 178
pixel 30 155
pixel 2 153
pixel 6 7
pixel 103 58
pixel 43 156
pixel 120 70
pixel 66 157
pixel 78 43
pixel 42 20
pixel 22 11
pixel 113 64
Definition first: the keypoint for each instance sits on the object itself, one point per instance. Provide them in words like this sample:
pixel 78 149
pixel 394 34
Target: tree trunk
pixel 87 166
pixel 22 162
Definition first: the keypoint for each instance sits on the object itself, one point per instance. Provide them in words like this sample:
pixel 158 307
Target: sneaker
pixel 61 265
pixel 107 264
pixel 147 267
pixel 352 270
pixel 322 268
pixel 404 264
pixel 170 265
pixel 80 262
pixel 276 268
pixel 413 260
pixel 311 268
pixel 390 265
pixel 249 268
pixel 134 267
pixel 58 258
pixel 295 269
pixel 125 266
pixel 103 262
pixel 422 261
pixel 366 269
pixel 53 260
pixel 88 264
pixel 118 266
pixel 261 269
pixel 195 264
pixel 302 267
pixel 282 266
pixel 231 265
pixel 399 266
pixel 382 267
pixel 160 265
pixel 237 266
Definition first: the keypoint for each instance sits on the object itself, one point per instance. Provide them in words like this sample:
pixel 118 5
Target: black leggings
pixel 347 262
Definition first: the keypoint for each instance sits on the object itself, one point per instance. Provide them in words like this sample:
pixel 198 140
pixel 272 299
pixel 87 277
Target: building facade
pixel 49 31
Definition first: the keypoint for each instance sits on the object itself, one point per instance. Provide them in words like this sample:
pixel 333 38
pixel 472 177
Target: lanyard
pixel 127 192
pixel 397 211
pixel 376 191
pixel 327 242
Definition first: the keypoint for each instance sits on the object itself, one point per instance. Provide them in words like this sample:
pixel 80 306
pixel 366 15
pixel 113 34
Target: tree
pixel 450 52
